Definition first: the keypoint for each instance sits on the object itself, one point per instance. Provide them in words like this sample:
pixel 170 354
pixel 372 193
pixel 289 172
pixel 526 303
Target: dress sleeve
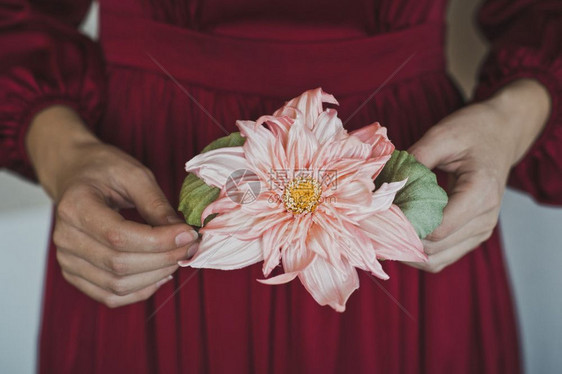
pixel 526 42
pixel 44 60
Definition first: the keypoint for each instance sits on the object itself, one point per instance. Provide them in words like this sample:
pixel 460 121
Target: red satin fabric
pixel 239 60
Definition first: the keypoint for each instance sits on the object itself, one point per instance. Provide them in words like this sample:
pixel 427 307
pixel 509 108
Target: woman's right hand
pixel 111 259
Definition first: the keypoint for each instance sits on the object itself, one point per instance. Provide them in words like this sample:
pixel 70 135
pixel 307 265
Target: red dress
pixel 238 60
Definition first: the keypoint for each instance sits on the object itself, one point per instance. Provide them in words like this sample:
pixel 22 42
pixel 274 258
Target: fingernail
pixel 185 238
pixel 162 281
pixel 192 250
pixel 174 219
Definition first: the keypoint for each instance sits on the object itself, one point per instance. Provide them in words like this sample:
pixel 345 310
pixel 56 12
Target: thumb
pixel 151 203
pixel 434 148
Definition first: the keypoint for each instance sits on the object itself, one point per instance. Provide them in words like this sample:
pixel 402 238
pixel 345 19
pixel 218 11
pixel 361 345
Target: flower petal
pixel 273 240
pixel 356 200
pixel 221 205
pixel 345 148
pixel 232 222
pixel 247 222
pixel 295 255
pixel 360 252
pixel 375 135
pixel 342 172
pixel 279 126
pixel 263 151
pixel 309 104
pixel 301 146
pixel 327 285
pixel 321 239
pixel 225 252
pixel 393 236
pixel 215 166
pixel 384 195
pixel 328 127
pixel 279 279
pixel 366 170
pixel 352 198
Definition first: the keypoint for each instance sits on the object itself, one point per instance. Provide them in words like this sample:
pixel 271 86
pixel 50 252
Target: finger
pixel 434 148
pixel 119 285
pixel 441 260
pixel 469 199
pixel 477 226
pixel 86 209
pixel 109 299
pixel 192 250
pixel 77 243
pixel 149 200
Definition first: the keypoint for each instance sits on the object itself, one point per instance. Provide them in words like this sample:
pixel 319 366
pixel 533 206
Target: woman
pixel 172 76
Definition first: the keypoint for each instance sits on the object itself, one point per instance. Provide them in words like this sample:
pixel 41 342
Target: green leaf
pixel 421 199
pixel 232 140
pixel 196 195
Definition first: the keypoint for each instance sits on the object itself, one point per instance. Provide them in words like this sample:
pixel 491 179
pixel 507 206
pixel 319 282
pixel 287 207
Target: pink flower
pixel 316 213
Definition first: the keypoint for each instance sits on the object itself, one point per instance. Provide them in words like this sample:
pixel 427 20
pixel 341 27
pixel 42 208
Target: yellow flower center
pixel 301 195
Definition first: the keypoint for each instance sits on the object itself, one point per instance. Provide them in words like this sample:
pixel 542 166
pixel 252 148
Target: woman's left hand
pixel 477 146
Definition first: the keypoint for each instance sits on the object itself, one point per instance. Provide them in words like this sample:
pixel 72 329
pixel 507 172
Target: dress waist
pixel 271 68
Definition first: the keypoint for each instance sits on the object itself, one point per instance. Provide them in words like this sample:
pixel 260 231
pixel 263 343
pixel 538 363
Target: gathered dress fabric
pixel 168 77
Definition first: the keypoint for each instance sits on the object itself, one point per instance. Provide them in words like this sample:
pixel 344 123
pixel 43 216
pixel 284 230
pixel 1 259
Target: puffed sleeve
pixel 44 60
pixel 526 42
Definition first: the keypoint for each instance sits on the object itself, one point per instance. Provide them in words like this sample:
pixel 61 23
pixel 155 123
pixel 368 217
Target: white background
pixel 532 236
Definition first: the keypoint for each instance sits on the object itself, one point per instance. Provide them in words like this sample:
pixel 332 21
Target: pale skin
pixel 112 260
pixel 119 262
pixel 478 145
